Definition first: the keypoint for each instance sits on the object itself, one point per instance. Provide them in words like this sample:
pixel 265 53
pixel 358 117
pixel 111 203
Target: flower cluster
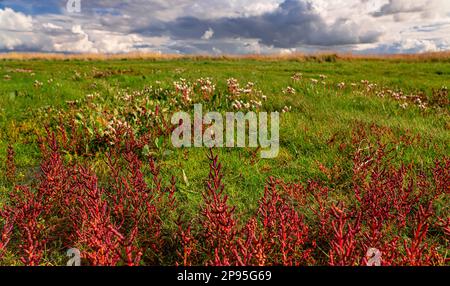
pixel 289 91
pixel 184 88
pixel 207 87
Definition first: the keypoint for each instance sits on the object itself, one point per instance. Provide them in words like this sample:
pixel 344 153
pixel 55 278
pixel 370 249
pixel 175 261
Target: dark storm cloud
pixel 294 23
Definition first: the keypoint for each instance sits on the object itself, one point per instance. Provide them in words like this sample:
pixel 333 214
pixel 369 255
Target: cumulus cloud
pixel 82 44
pixel 15 21
pixel 401 6
pixel 293 23
pixel 100 41
pixel 14 28
pixel 410 46
pixel 208 34
pixel 426 8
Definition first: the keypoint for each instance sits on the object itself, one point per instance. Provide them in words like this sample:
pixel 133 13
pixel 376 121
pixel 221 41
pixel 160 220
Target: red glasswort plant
pixel 188 244
pixel 219 224
pixel 284 232
pixel 130 213
pixel 28 211
pixel 344 246
pixel 5 230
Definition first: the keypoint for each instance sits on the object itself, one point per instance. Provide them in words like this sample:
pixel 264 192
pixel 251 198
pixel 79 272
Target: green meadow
pixel 330 101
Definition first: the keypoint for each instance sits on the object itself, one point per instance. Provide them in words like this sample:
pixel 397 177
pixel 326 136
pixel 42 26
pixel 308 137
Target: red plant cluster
pixel 275 235
pixel 219 224
pixel 133 216
pixel 113 225
pixel 6 230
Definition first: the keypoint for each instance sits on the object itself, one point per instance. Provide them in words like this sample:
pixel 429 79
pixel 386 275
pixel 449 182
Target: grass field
pixel 330 103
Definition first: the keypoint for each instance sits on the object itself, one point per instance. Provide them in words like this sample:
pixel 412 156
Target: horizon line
pixel 322 55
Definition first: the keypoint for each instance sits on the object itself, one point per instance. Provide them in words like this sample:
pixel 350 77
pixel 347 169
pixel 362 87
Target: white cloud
pixel 110 42
pixel 79 43
pixel 51 26
pixel 14 28
pixel 15 21
pixel 409 46
pixel 419 46
pixel 424 8
pixel 100 41
pixel 208 34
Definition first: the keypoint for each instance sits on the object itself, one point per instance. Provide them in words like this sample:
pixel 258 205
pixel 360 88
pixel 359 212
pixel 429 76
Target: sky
pixel 225 26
